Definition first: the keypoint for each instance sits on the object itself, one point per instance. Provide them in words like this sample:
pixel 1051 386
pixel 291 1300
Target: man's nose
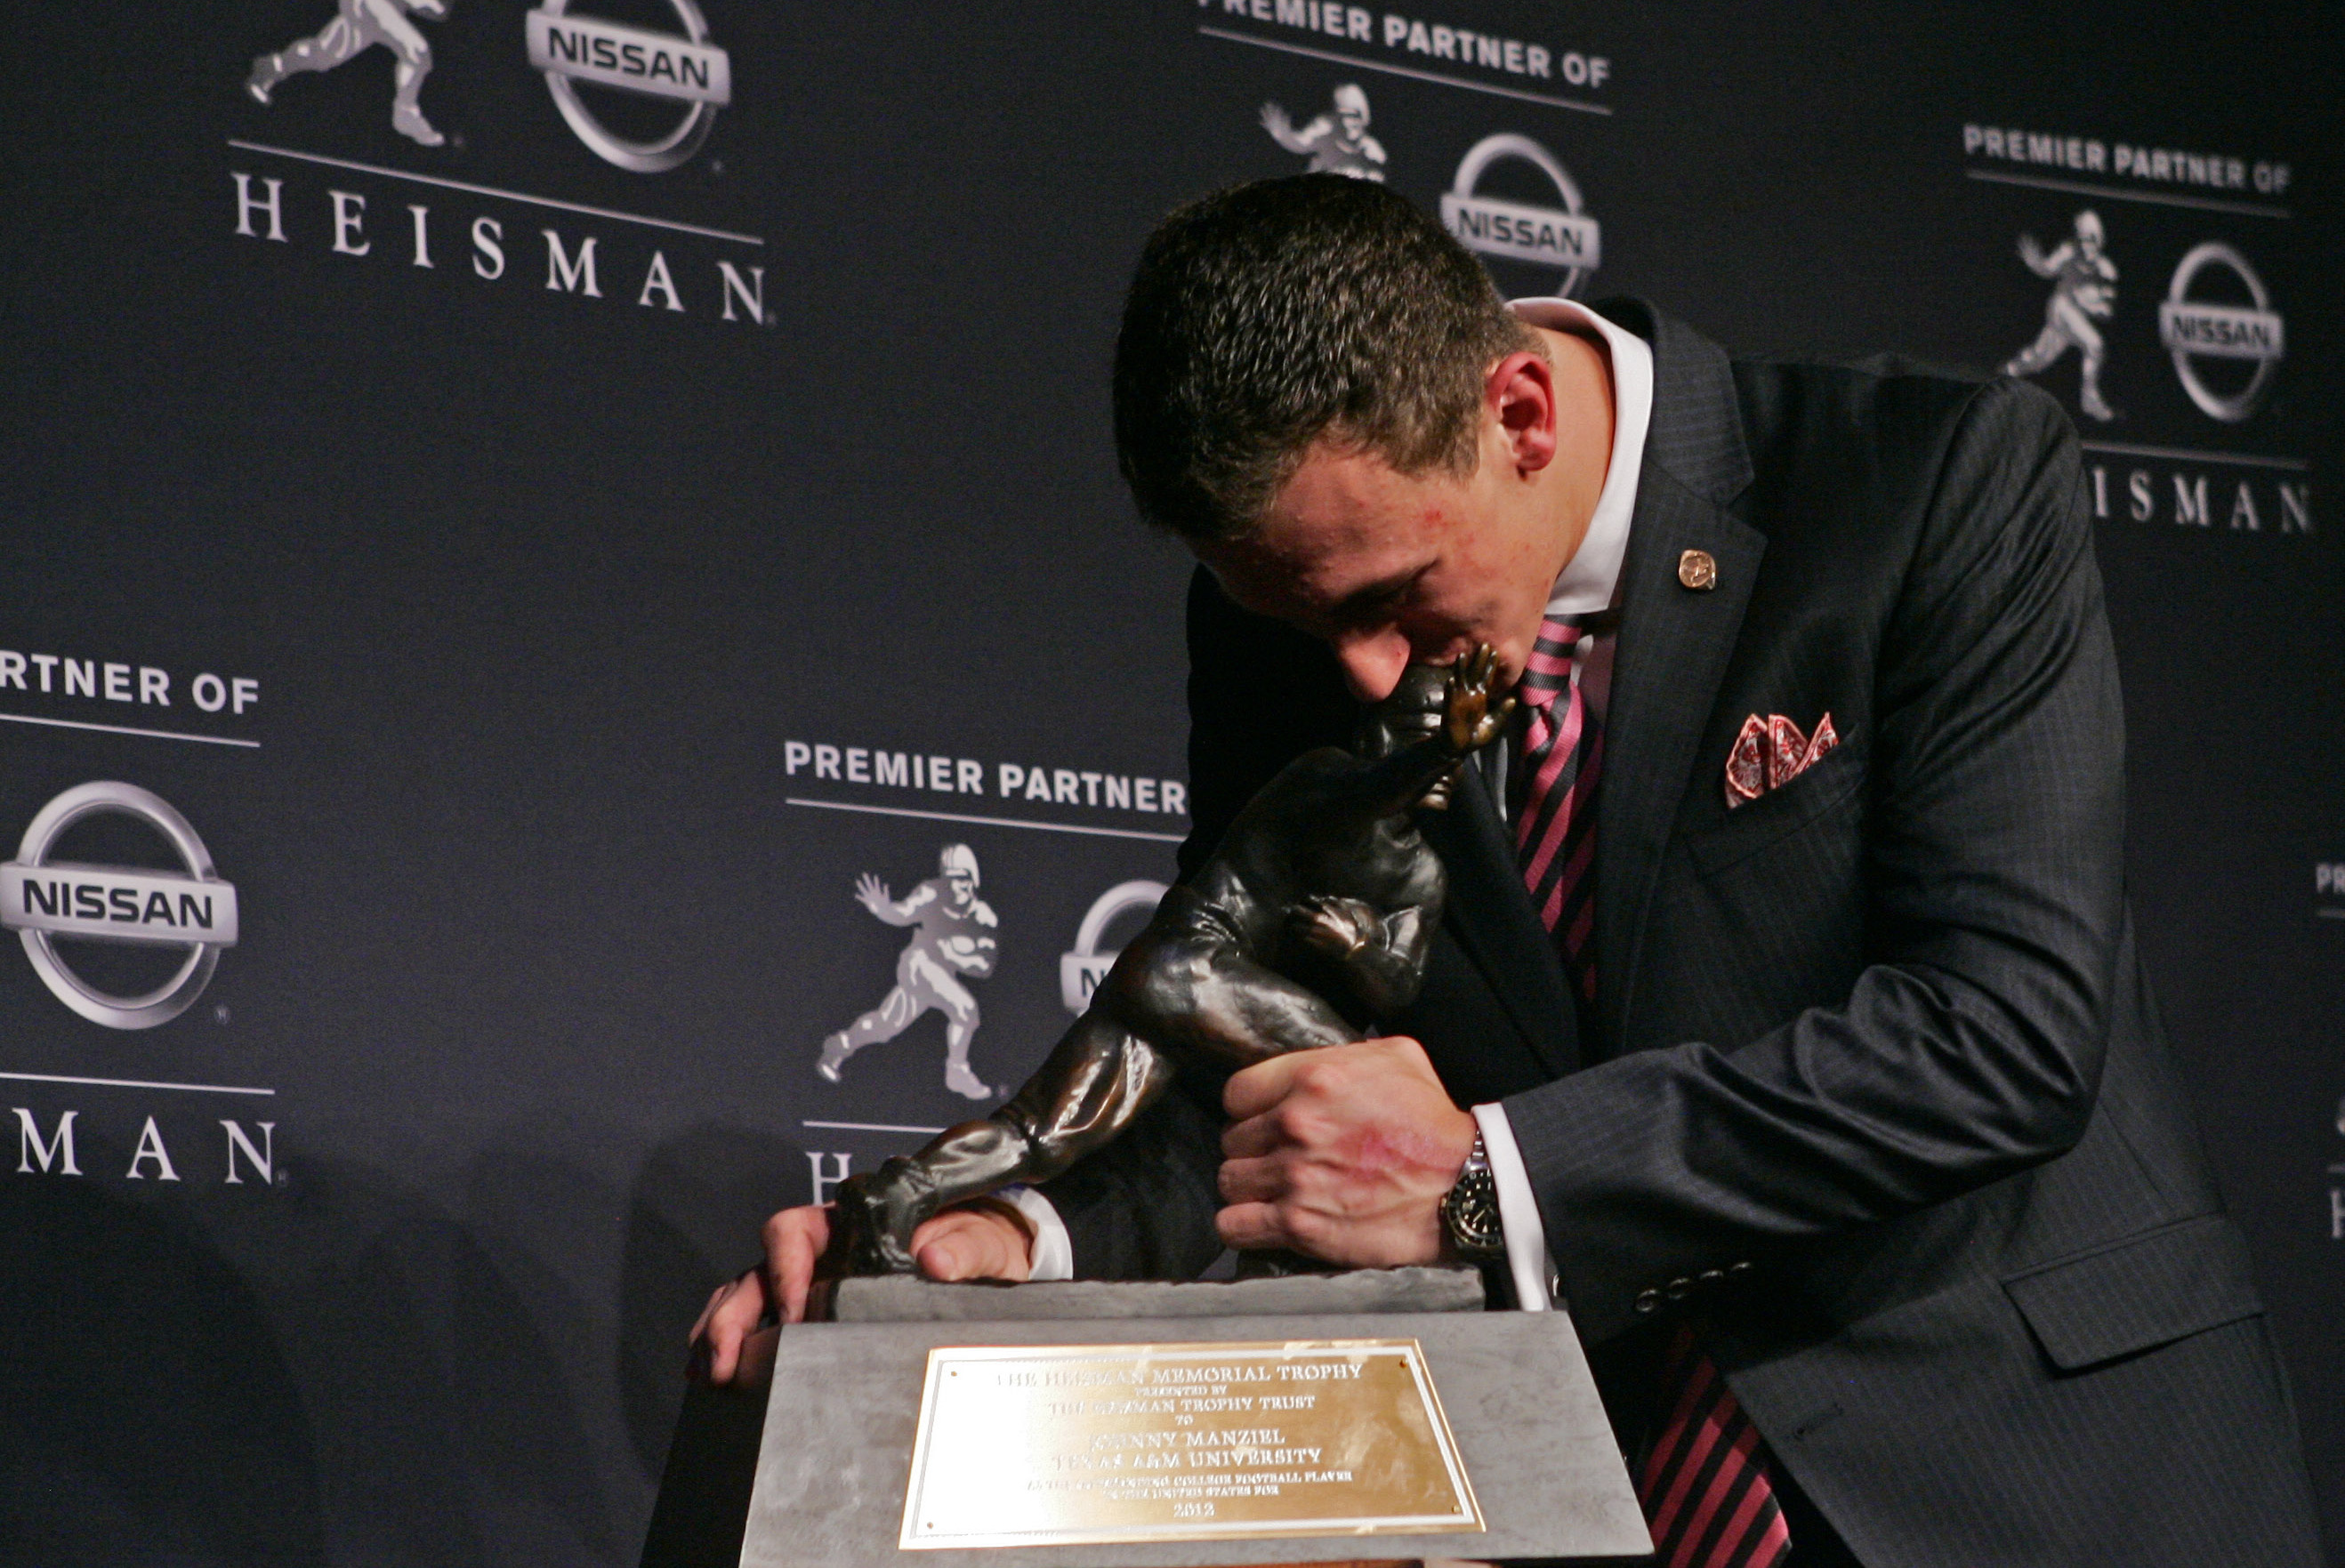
pixel 1373 663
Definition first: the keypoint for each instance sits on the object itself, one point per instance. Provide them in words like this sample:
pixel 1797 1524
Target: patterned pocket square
pixel 1771 753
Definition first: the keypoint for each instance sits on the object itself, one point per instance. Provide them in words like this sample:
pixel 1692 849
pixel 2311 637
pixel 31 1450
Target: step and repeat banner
pixel 574 668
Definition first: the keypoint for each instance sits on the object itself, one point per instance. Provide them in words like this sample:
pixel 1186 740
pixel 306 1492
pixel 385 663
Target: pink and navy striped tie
pixel 1705 1486
pixel 1554 816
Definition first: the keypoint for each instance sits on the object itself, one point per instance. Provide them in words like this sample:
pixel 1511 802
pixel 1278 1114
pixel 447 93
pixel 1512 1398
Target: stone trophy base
pixel 834 1468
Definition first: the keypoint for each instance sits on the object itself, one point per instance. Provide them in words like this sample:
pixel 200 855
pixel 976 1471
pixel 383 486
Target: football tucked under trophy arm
pixel 1310 918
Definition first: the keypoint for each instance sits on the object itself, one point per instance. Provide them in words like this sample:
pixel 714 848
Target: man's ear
pixel 1519 394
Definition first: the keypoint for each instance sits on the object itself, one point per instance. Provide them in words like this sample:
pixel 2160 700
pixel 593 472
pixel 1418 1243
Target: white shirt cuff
pixel 1527 1256
pixel 1054 1249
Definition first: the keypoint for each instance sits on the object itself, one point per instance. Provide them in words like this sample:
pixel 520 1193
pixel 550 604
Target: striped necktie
pixel 1705 1486
pixel 1554 816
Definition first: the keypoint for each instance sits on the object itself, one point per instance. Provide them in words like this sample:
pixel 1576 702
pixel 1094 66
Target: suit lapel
pixel 1674 645
pixel 1674 641
pixel 1492 919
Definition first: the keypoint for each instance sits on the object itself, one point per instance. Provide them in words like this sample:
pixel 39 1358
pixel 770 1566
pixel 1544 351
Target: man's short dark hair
pixel 1266 316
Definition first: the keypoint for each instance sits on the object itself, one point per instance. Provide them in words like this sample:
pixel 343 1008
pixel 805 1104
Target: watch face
pixel 1469 1215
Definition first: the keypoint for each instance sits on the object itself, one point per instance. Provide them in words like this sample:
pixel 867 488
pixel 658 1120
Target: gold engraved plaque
pixel 1047 1445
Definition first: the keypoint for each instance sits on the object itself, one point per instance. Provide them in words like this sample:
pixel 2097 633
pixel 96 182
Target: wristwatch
pixel 1469 1212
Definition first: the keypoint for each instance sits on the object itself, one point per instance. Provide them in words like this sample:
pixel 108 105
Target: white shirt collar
pixel 1588 580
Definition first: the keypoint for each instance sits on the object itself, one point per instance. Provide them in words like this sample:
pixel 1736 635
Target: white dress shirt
pixel 1590 581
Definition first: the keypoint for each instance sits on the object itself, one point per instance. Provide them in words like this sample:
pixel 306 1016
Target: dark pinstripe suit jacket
pixel 1881 1033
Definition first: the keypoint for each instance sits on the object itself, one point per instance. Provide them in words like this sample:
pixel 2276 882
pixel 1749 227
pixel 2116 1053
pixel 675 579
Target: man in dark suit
pixel 1818 1082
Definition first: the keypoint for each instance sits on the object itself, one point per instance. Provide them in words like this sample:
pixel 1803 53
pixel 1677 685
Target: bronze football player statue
pixel 1324 877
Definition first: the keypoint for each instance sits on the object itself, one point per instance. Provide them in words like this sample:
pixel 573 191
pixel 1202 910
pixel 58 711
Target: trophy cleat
pixel 965 1083
pixel 266 74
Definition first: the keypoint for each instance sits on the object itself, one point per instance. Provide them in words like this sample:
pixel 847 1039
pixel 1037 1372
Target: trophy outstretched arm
pixel 1473 715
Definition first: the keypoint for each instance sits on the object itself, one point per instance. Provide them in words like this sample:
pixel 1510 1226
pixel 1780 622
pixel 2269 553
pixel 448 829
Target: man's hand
pixel 733 1343
pixel 1343 1153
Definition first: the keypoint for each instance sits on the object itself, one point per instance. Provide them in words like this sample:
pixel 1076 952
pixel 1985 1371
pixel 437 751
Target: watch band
pixel 1469 1211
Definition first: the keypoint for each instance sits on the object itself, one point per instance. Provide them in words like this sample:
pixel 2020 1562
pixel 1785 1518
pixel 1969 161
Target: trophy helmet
pixel 1412 711
pixel 1416 709
pixel 2088 226
pixel 1350 99
pixel 957 860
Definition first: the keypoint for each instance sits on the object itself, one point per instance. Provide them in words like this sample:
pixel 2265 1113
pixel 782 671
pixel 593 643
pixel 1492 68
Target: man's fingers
pixel 736 1320
pixel 795 1240
pixel 1250 1227
pixel 1251 1139
pixel 731 1317
pixel 717 1299
pixel 960 1255
pixel 1255 1177
pixel 702 1353
pixel 1255 1089
pixel 1345 1156
pixel 1252 1180
pixel 756 1365
pixel 1263 1227
pixel 973 1244
pixel 731 1349
pixel 793 1278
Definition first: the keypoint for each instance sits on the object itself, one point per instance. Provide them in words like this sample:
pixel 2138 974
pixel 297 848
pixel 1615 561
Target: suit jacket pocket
pixel 2136 1294
pixel 1779 813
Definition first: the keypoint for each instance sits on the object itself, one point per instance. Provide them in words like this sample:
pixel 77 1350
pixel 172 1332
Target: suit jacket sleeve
pixel 1971 1046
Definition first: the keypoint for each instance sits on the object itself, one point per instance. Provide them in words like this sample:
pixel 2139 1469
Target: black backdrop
pixel 554 589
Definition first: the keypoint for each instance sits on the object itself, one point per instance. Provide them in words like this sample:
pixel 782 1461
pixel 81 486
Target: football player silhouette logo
pixel 1337 143
pixel 359 26
pixel 952 941
pixel 2083 291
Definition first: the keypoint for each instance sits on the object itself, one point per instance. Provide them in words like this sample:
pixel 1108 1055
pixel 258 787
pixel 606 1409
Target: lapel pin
pixel 1697 571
